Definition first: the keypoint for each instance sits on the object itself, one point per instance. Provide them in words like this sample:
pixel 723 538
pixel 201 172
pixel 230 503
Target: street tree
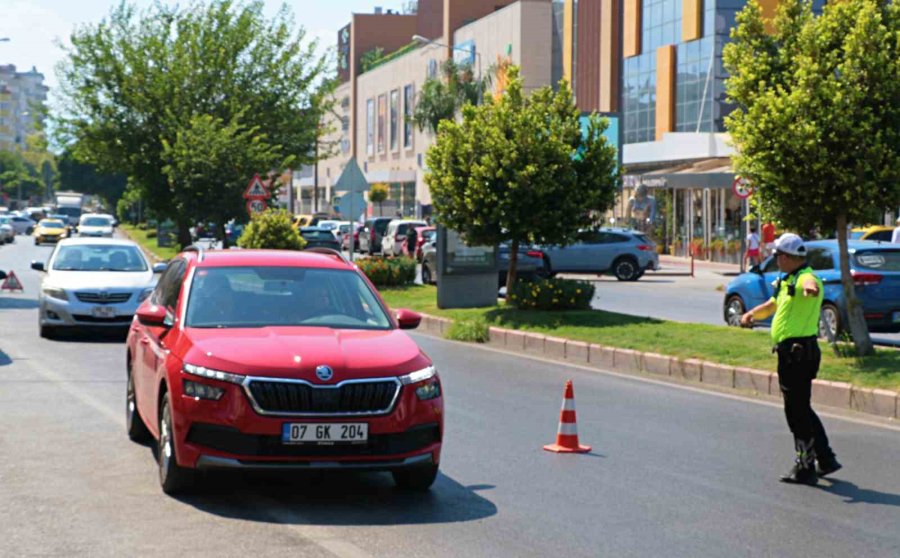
pixel 378 194
pixel 443 96
pixel 141 80
pixel 817 123
pixel 83 177
pixel 519 169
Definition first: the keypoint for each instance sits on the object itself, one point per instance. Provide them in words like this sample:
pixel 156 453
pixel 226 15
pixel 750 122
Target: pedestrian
pixel 895 238
pixel 411 237
pixel 768 238
pixel 796 303
pixel 752 256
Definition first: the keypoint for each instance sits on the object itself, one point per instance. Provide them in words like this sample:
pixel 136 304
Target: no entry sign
pixel 742 188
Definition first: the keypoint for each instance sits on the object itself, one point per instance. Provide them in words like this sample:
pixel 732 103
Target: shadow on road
pixel 10 303
pixel 92 335
pixel 337 498
pixel 853 494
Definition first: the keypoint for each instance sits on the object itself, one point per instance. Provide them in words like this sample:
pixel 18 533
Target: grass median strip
pixel 721 344
pixel 140 236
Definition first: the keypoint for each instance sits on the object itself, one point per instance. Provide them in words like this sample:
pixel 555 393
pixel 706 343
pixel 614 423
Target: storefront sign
pixel 635 180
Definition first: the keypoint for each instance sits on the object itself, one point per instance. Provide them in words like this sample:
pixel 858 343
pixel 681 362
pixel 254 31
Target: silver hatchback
pixel 625 253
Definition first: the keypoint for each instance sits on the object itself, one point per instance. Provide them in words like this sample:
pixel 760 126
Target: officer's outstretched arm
pixel 761 312
pixel 810 287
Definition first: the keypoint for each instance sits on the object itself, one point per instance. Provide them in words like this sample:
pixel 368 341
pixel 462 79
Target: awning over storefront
pixel 707 173
pixel 391 176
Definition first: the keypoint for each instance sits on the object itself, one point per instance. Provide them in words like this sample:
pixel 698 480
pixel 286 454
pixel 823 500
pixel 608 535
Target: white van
pixel 395 236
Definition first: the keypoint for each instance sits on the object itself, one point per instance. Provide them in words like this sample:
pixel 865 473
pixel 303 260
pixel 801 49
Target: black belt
pixel 800 348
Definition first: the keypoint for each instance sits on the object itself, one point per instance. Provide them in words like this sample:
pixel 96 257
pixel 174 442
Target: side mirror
pixel 152 315
pixel 159 267
pixel 37 266
pixel 408 319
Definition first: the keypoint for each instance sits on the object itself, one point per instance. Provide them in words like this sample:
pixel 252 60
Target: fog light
pixel 202 391
pixel 52 315
pixel 430 390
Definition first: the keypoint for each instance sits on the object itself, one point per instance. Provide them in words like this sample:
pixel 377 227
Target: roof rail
pixel 329 252
pixel 197 249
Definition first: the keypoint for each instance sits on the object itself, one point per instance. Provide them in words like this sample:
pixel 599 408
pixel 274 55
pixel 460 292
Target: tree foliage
pixel 139 85
pixel 520 170
pixel 817 128
pixel 272 230
pixel 378 193
pixel 26 172
pixel 442 97
pixel 85 178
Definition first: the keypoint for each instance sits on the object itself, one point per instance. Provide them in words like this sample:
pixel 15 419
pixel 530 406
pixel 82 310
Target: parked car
pixel 625 253
pixel 254 359
pixel 875 232
pixel 423 236
pixel 7 232
pixel 22 225
pixel 318 237
pixel 95 225
pixel 876 275
pixel 370 238
pixel 92 282
pixel 395 236
pixel 49 230
pixel 531 263
pixel 345 242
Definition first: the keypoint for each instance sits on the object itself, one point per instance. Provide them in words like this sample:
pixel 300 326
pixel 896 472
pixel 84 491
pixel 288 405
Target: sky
pixel 37 28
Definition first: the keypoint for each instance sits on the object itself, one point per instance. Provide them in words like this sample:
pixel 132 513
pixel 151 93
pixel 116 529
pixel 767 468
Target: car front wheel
pixel 417 479
pixel 626 269
pixel 829 322
pixel 172 478
pixel 734 309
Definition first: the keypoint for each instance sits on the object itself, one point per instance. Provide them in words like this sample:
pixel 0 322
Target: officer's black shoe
pixel 827 466
pixel 801 475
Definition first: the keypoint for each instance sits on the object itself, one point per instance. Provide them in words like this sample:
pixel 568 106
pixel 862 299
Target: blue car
pixel 876 274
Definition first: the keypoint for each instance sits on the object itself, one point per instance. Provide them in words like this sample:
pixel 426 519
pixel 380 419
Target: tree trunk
pixel 513 263
pixel 184 233
pixel 856 320
pixel 220 226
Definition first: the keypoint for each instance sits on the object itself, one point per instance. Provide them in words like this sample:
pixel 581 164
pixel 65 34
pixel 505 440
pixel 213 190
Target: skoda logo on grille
pixel 324 373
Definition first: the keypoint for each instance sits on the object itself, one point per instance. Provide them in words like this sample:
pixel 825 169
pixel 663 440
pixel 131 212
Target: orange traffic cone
pixel 567 435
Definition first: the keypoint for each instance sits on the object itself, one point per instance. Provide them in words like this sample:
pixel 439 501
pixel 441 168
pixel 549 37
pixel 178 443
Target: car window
pixel 233 297
pixel 770 266
pixel 856 235
pixel 884 236
pixel 52 225
pixel 820 259
pixel 381 226
pixel 880 260
pixel 99 257
pixel 317 235
pixel 95 222
pixel 401 229
pixel 612 238
pixel 166 293
pixel 590 237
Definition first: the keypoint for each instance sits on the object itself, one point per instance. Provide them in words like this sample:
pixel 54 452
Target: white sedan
pixel 96 225
pixel 93 282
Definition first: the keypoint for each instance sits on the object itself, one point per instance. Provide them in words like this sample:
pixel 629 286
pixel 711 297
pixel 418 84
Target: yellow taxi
pixel 301 221
pixel 874 232
pixel 49 230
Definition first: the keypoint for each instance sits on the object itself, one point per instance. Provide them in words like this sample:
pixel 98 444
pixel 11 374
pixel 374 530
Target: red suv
pixel 255 359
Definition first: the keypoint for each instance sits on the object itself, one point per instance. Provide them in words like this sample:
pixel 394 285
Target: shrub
pixel 272 229
pixel 388 272
pixel 470 331
pixel 142 226
pixel 151 234
pixel 551 294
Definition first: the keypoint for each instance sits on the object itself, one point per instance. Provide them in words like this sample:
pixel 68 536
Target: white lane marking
pixel 672 383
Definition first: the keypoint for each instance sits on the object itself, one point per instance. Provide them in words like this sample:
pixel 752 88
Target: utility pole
pixel 316 173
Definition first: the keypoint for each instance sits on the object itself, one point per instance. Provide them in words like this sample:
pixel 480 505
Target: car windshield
pixel 99 257
pixel 317 235
pixel 52 225
pixel 96 222
pixel 4 220
pixel 877 260
pixel 241 297
pixel 428 236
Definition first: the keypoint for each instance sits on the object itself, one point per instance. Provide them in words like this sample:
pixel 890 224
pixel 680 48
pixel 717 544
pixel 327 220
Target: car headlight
pixel 418 376
pixel 430 387
pixel 55 292
pixel 145 293
pixel 204 372
pixel 202 391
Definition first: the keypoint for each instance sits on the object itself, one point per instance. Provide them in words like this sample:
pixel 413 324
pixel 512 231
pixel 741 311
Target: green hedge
pixel 552 294
pixel 271 230
pixel 388 272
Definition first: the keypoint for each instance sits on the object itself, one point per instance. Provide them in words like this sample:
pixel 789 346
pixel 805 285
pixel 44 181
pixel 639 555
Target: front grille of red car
pixel 232 440
pixel 296 397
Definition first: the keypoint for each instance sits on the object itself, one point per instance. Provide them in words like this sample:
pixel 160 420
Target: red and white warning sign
pixel 742 187
pixel 257 189
pixel 11 283
pixel 255 206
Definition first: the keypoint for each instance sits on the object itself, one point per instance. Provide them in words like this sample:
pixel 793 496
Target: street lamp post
pixel 426 41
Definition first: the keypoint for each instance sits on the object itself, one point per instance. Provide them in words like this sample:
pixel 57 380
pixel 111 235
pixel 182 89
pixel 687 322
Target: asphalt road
pixel 674 472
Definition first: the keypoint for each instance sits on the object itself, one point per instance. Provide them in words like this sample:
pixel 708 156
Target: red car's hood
pixel 295 352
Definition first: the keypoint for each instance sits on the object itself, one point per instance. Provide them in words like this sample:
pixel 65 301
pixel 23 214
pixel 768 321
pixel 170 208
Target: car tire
pixel 37 241
pixel 415 479
pixel 134 424
pixel 626 269
pixel 830 325
pixel 734 309
pixel 29 230
pixel 173 478
pixel 426 275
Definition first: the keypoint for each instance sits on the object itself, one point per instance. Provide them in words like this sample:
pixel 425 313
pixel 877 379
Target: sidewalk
pixel 674 265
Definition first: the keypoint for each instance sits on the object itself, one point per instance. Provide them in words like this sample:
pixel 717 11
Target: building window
pixel 639 96
pixel 370 127
pixel 345 123
pixel 556 71
pixel 382 124
pixel 695 86
pixel 395 120
pixel 409 99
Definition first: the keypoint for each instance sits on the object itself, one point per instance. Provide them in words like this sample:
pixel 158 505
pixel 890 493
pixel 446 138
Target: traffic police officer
pixel 796 303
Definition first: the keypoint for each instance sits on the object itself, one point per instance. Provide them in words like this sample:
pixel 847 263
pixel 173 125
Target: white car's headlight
pixel 55 292
pixel 145 293
pixel 418 376
pixel 204 372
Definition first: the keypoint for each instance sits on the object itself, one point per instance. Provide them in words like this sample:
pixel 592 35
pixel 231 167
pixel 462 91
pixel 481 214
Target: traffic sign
pixel 255 207
pixel 742 187
pixel 352 179
pixel 11 283
pixel 257 190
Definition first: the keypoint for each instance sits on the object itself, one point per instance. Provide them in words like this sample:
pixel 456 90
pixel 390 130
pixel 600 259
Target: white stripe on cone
pixel 568 404
pixel 568 429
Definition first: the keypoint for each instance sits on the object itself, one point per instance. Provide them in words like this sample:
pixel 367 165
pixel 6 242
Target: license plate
pixel 324 433
pixel 103 312
pixel 897 317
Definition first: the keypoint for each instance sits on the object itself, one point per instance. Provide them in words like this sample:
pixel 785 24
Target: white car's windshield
pixel 96 222
pixel 236 297
pixel 99 257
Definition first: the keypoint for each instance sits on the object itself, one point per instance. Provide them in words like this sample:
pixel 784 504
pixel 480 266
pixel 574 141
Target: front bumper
pixel 74 313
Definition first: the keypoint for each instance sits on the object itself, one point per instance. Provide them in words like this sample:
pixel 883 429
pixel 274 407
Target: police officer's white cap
pixel 790 243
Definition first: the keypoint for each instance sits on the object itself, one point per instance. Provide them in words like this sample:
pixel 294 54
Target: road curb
pixel 880 402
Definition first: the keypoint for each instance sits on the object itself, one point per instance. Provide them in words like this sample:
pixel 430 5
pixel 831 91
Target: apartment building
pixel 22 96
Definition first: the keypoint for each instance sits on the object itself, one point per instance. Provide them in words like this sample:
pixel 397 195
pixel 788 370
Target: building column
pixel 665 90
